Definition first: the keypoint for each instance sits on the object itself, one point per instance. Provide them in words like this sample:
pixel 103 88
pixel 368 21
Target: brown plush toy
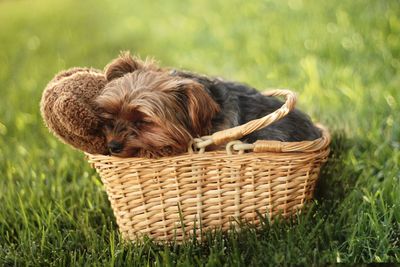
pixel 69 111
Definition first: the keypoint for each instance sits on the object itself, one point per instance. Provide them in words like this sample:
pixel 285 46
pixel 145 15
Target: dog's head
pixel 150 113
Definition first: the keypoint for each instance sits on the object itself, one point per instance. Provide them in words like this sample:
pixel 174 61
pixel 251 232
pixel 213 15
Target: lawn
pixel 342 57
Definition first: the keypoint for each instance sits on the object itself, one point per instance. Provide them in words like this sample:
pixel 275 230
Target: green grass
pixel 342 57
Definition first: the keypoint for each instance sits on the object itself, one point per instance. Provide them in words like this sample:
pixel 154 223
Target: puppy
pixel 150 112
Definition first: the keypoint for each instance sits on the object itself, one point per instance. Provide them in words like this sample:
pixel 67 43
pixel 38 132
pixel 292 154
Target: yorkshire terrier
pixel 150 111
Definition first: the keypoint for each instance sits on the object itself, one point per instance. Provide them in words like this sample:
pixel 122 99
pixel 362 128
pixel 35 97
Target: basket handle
pixel 278 146
pixel 238 132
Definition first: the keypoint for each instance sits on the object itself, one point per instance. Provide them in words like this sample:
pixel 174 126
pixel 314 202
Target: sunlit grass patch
pixel 341 57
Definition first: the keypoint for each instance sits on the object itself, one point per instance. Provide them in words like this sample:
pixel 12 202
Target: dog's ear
pixel 125 63
pixel 201 108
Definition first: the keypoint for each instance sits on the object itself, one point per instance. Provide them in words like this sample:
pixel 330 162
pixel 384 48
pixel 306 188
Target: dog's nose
pixel 115 146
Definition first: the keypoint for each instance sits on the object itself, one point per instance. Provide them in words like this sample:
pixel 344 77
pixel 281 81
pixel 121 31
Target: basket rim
pixel 260 146
pixel 298 146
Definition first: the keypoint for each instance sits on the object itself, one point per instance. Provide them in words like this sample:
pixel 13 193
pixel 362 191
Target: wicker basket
pixel 167 198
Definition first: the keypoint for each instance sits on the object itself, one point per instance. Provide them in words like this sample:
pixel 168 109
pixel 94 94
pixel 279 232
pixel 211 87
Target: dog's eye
pixel 140 123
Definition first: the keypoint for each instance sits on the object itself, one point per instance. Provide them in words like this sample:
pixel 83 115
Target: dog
pixel 149 111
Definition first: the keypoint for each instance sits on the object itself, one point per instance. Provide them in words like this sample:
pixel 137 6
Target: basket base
pixel 168 199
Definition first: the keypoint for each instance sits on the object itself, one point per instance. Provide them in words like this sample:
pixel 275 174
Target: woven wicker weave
pixel 167 198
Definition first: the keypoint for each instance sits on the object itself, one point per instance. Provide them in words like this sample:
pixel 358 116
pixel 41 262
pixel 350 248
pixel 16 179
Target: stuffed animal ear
pixel 201 108
pixel 75 115
pixel 125 63
pixel 69 112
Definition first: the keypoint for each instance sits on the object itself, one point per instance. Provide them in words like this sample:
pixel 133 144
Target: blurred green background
pixel 342 57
